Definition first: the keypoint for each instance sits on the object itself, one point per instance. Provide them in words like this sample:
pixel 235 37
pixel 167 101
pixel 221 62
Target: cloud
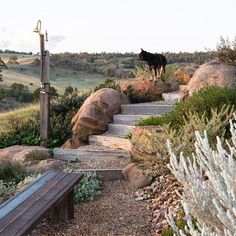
pixel 5 44
pixel 54 40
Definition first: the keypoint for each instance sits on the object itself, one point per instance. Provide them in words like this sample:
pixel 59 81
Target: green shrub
pixel 11 172
pixel 18 92
pixel 26 131
pixel 88 188
pixel 22 132
pixel 201 102
pixel 109 83
pixel 62 111
pixel 151 146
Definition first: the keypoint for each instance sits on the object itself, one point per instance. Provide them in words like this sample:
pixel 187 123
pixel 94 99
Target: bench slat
pixel 40 204
pixel 24 206
pixel 16 201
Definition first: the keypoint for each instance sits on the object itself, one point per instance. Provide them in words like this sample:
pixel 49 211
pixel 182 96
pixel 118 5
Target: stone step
pixel 174 96
pixel 146 109
pixel 87 154
pixel 119 130
pixel 110 141
pixel 106 174
pixel 128 119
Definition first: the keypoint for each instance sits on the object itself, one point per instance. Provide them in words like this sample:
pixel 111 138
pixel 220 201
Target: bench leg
pixel 65 209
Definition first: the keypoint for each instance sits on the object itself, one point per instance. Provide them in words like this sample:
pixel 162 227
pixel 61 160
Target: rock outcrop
pixel 95 115
pixel 211 73
pixel 19 153
pixel 146 88
pixel 184 74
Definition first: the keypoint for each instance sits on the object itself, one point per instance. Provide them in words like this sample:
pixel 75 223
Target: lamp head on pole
pixel 38 27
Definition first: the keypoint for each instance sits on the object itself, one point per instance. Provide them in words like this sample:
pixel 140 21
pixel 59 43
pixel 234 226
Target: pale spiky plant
pixel 209 186
pixel 142 72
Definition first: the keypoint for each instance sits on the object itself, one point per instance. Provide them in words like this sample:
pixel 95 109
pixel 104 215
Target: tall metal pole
pixel 45 88
pixel 45 100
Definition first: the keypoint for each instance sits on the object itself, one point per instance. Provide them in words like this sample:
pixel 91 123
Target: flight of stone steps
pixel 123 123
pixel 113 146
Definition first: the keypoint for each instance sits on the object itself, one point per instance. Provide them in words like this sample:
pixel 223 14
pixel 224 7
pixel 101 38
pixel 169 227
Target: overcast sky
pixel 117 25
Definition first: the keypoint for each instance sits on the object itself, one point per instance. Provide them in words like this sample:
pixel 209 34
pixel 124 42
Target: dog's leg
pixel 155 77
pixel 161 70
pixel 150 70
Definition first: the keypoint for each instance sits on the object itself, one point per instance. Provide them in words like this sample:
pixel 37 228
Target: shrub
pixel 21 132
pixel 142 72
pixel 109 83
pixel 146 73
pixel 209 186
pixel 26 131
pixel 52 91
pixel 153 144
pixel 88 188
pixel 62 111
pixel 201 102
pixel 18 92
pixel 226 50
pixel 11 172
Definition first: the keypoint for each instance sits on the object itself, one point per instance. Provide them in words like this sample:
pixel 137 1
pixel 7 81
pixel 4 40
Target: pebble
pixel 160 196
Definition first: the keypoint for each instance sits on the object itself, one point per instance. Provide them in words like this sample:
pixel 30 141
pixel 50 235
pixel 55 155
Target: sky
pixel 117 25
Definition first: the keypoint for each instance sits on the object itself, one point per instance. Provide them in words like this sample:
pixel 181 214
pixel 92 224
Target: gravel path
pixel 115 212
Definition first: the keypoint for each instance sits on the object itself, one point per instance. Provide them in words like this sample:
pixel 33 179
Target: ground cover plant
pixel 88 188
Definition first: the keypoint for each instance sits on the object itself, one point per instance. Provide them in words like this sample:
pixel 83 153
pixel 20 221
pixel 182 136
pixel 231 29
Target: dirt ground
pixel 115 212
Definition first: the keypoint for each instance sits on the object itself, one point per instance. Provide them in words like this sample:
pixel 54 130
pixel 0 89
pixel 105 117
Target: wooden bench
pixel 51 195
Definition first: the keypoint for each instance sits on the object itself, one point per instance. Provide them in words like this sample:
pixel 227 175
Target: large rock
pixel 136 176
pixel 19 153
pixel 184 74
pixel 146 88
pixel 212 73
pixel 95 115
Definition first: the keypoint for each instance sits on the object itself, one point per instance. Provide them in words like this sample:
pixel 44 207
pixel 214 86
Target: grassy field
pixel 27 74
pixel 6 118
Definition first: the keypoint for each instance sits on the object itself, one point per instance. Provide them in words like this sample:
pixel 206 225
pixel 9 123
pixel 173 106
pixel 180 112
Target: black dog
pixel 155 61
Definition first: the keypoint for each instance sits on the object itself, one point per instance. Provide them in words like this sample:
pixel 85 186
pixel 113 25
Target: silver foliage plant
pixel 209 182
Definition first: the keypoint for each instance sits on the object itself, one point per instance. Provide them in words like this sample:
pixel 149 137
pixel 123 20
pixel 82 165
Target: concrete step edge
pixel 106 174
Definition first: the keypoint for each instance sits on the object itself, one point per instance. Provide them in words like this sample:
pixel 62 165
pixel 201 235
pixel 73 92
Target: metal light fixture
pixel 38 27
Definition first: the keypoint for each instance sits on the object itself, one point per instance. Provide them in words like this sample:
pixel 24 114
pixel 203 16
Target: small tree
pixel 226 50
pixel 68 90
